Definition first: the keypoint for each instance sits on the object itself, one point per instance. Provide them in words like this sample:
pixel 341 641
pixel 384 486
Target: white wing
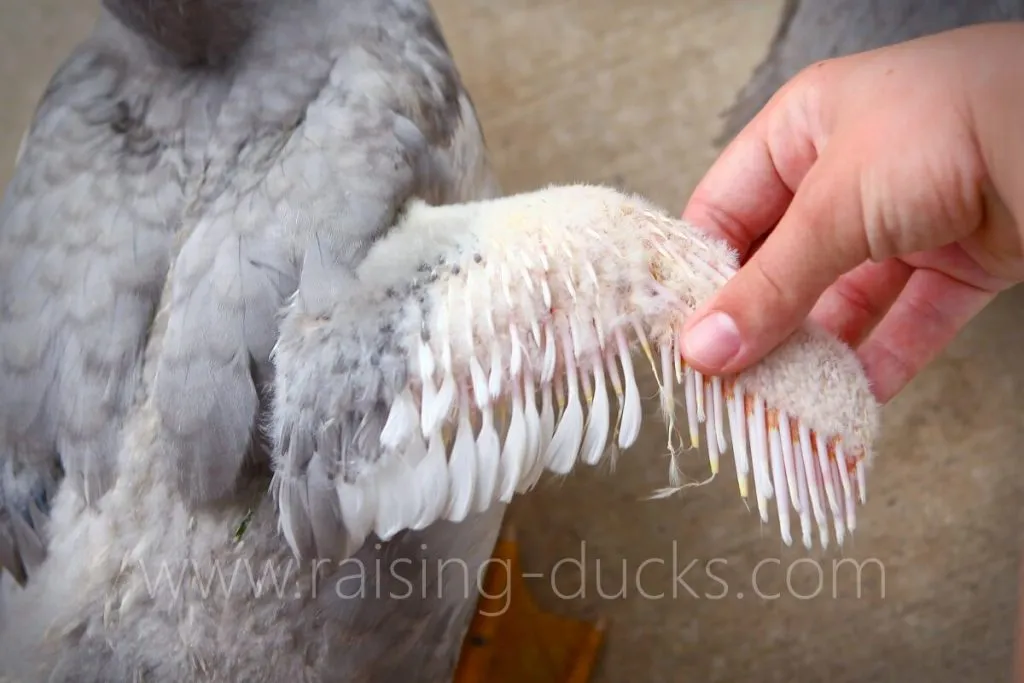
pixel 479 345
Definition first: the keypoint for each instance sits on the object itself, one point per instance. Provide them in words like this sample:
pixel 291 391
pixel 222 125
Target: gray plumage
pixel 814 30
pixel 192 168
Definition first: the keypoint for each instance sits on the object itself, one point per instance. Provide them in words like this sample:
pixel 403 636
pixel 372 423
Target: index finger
pixel 751 184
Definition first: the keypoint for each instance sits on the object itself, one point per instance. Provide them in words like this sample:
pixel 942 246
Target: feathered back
pixel 195 33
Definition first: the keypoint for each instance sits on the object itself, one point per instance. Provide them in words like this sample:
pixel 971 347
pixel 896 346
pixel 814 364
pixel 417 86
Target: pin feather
pixel 508 331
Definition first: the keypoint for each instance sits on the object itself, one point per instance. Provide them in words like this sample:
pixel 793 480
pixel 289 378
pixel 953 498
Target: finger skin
pixel 740 209
pixel 926 317
pixel 852 307
pixel 880 157
pixel 751 184
pixel 819 238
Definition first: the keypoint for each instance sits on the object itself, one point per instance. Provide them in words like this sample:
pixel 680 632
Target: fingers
pixel 748 188
pixel 859 300
pixel 925 318
pixel 820 237
pixel 741 197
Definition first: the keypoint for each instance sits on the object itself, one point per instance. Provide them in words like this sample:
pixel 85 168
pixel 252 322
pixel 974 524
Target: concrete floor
pixel 629 93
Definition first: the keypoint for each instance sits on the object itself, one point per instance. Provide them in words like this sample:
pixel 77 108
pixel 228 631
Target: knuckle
pixel 857 300
pixel 892 368
pixel 930 319
pixel 764 308
pixel 723 224
pixel 771 286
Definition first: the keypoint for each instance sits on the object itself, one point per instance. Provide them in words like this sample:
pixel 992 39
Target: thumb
pixel 820 237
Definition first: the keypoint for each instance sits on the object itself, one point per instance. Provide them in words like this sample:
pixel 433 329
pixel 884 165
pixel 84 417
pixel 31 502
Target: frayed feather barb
pixel 531 319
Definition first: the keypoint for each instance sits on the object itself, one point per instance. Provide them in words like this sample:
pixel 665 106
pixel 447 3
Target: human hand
pixel 886 190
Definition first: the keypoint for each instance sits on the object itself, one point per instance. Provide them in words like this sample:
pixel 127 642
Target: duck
pixel 186 164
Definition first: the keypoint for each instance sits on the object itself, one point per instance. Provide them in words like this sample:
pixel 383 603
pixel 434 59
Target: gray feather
pixel 171 204
pixel 86 231
pixel 345 151
pixel 10 557
pixel 324 510
pixel 31 549
pixel 81 262
pixel 28 482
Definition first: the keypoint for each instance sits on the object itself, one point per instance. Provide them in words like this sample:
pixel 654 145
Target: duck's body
pixel 208 148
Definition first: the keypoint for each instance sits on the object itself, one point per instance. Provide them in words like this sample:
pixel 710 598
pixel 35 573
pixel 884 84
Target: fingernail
pixel 713 342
